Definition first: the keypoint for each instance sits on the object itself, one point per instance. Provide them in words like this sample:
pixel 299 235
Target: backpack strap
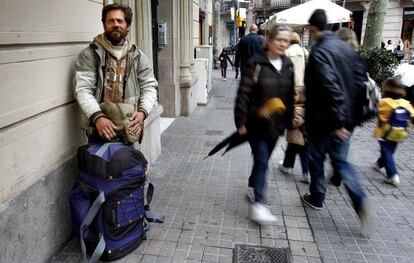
pixel 93 211
pixel 256 73
pixel 152 216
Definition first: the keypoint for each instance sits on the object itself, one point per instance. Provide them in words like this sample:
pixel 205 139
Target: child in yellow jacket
pixel 393 111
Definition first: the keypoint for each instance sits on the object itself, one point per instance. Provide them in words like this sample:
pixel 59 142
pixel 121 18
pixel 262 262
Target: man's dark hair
pixel 318 19
pixel 125 9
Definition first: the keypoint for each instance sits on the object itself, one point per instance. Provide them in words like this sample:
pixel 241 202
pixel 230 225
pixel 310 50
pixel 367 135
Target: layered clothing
pixel 91 77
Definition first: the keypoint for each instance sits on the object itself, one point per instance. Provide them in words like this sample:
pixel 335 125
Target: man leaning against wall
pixel 112 69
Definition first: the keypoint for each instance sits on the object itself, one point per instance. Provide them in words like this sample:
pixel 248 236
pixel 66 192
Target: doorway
pixel 202 18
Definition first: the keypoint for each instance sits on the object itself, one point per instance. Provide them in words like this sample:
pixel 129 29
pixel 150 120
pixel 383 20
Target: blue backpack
pixel 107 203
pixel 396 128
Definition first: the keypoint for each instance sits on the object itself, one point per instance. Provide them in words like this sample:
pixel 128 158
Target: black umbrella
pixel 232 141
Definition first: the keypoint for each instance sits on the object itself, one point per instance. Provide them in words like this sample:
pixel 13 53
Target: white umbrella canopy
pixel 405 72
pixel 300 14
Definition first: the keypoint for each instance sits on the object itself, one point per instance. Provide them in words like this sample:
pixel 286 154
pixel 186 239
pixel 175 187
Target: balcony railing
pixel 261 4
pixel 275 4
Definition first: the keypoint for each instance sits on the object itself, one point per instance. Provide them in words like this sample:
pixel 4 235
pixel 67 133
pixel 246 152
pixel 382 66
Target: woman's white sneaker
pixel 284 169
pixel 261 214
pixel 394 180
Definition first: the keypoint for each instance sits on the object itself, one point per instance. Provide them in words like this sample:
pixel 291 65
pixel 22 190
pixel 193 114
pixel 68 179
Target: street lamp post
pixel 235 21
pixel 236 7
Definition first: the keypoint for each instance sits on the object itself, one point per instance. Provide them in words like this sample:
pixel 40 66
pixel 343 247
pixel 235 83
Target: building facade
pixel 39 118
pixel 398 24
pixel 399 21
pixel 229 34
pixel 188 24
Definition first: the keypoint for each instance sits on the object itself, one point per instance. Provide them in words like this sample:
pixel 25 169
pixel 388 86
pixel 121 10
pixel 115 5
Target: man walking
pixel 331 114
pixel 112 69
pixel 248 46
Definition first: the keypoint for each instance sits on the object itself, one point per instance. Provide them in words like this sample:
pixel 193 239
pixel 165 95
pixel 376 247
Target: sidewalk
pixel 207 211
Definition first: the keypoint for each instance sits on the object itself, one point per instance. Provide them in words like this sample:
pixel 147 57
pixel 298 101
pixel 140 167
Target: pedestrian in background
pixel 223 58
pixel 390 46
pixel 268 76
pixel 247 47
pixel 398 51
pixel 393 120
pixel 295 136
pixel 331 114
pixel 407 47
pixel 296 140
pixel 299 56
pixel 348 35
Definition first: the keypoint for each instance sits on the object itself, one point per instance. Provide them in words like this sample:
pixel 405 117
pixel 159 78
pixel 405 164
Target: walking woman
pixel 270 77
pixel 223 58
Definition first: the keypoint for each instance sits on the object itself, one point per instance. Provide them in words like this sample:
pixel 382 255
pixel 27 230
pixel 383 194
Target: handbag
pixel 120 114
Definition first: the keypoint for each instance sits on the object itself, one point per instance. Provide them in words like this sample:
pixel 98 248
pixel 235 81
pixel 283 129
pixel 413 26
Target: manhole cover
pixel 257 254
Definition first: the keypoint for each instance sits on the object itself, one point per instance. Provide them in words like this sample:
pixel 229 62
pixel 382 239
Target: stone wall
pixel 39 122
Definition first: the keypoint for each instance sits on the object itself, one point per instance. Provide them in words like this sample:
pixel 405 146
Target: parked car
pixel 405 71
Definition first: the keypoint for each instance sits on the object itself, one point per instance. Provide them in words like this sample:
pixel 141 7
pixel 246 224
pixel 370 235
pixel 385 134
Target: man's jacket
pixel 331 86
pixel 140 86
pixel 248 46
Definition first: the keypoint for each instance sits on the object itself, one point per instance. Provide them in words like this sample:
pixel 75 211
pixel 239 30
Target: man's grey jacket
pixel 140 86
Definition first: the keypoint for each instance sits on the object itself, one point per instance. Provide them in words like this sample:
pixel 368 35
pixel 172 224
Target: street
pixel 207 211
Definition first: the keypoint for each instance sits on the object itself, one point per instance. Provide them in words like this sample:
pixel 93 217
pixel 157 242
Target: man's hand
pixel 106 128
pixel 137 123
pixel 341 133
pixel 242 130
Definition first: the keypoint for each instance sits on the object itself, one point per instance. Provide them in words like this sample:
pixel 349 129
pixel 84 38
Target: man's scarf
pixel 106 44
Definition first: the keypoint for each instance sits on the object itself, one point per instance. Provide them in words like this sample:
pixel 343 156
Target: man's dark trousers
pixel 318 147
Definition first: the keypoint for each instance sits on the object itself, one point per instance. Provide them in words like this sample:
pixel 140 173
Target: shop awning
pixel 300 14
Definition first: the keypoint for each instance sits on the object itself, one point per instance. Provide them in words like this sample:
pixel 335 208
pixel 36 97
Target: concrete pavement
pixel 207 211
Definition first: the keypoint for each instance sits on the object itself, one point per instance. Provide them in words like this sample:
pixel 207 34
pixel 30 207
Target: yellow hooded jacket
pixel 386 107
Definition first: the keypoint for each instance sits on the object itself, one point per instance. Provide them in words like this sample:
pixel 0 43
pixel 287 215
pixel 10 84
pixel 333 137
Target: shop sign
pixel 260 19
pixel 408 13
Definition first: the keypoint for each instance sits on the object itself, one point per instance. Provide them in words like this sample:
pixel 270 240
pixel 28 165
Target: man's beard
pixel 116 37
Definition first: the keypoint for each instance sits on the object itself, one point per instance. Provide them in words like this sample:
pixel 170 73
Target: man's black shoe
pixel 336 180
pixel 308 200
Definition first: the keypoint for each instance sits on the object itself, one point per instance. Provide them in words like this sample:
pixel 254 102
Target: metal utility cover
pixel 258 254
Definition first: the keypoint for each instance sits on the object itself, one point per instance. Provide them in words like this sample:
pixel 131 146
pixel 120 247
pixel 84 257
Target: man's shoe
pixel 336 180
pixel 224 79
pixel 365 217
pixel 283 169
pixel 376 167
pixel 306 198
pixel 261 214
pixel 306 178
pixel 250 194
pixel 394 180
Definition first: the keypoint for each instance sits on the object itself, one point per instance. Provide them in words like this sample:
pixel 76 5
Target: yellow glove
pixel 271 106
